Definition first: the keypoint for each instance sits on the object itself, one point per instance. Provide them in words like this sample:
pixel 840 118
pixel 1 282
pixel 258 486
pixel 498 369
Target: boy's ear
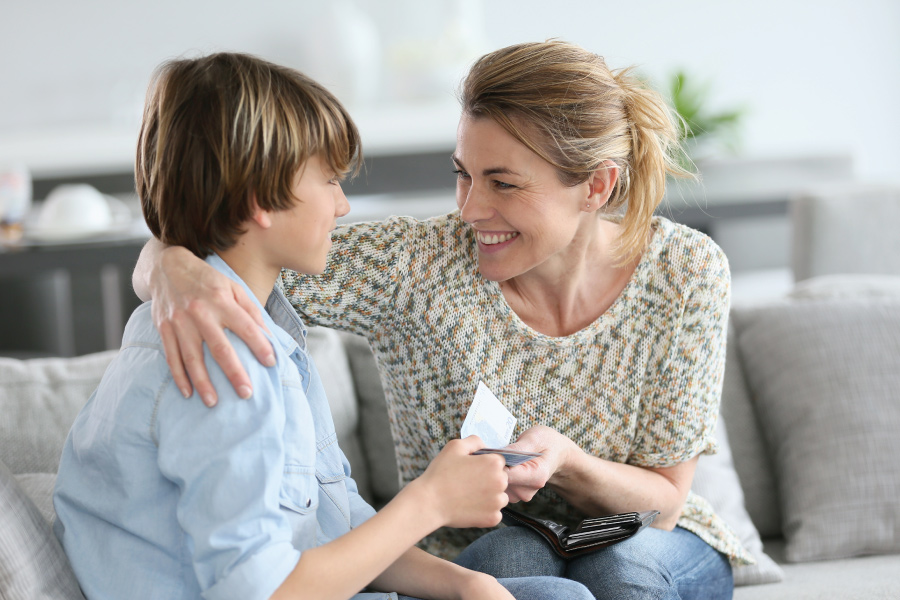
pixel 258 215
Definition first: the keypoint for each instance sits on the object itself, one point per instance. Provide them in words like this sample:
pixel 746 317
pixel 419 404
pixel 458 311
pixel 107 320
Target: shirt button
pixel 308 502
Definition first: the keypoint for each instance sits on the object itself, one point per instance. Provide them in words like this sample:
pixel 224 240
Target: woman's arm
pixel 595 486
pixel 192 304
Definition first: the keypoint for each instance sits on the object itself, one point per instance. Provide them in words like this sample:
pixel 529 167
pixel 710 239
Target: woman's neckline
pixel 635 282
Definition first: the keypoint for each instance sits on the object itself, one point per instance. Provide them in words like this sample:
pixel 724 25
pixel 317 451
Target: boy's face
pixel 303 232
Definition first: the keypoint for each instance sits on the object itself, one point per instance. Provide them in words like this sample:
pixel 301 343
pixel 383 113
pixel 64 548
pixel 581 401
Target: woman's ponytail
pixel 655 153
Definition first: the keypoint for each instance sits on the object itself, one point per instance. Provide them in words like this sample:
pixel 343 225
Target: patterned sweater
pixel 641 385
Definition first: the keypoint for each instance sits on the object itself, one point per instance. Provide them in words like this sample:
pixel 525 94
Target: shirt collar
pixel 285 326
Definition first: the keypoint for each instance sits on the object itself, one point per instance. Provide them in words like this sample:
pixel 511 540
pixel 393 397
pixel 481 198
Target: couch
pixel 807 473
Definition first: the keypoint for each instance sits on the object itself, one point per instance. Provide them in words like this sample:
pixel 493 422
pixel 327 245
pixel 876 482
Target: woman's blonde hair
pixel 565 104
pixel 221 130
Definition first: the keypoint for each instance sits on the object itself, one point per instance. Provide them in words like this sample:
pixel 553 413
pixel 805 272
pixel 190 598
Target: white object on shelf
pixel 75 212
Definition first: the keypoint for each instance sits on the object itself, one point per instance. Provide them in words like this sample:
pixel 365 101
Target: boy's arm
pixel 457 490
pixel 228 464
pixel 423 575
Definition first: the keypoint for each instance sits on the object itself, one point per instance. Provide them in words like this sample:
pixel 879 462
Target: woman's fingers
pixel 239 314
pixel 190 344
pixel 174 360
pixel 248 329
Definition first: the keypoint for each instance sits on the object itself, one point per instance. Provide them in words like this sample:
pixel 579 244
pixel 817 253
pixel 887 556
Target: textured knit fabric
pixel 640 385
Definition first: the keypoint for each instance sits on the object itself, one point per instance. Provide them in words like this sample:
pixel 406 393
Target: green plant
pixel 697 123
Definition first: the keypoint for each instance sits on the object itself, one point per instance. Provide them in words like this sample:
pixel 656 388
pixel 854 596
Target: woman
pixel 600 325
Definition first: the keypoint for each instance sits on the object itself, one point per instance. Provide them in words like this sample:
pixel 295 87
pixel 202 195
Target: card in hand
pixel 513 457
pixel 488 419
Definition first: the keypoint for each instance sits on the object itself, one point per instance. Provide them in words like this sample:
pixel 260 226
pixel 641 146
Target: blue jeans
pixel 541 588
pixel 657 564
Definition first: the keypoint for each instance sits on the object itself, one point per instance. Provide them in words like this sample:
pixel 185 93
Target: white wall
pixel 816 77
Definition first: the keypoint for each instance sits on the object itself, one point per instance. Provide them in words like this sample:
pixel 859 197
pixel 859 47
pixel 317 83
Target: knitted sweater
pixel 641 385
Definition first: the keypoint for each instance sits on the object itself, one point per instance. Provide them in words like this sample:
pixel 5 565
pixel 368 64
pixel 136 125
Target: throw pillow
pixel 825 377
pixel 32 563
pixel 748 446
pixel 716 480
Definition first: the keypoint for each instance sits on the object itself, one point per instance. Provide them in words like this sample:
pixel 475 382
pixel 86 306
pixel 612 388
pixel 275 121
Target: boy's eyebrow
pixel 486 172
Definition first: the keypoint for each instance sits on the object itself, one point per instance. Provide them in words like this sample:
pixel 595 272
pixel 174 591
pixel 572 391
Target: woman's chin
pixel 492 272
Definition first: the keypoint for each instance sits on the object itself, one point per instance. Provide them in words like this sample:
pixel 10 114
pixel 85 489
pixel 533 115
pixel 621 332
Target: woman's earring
pixel 588 205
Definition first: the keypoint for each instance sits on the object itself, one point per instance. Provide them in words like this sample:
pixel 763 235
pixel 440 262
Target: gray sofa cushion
pixel 374 425
pixel 829 220
pixel 861 578
pixel 825 376
pixel 39 399
pixel 32 563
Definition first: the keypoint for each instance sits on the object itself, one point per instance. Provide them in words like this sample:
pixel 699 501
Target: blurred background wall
pixel 814 76
pixel 817 85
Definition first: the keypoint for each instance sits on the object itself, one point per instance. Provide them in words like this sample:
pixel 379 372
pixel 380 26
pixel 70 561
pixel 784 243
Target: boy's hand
pixel 466 490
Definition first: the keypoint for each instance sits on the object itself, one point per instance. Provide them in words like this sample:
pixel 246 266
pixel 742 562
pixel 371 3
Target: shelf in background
pixel 105 149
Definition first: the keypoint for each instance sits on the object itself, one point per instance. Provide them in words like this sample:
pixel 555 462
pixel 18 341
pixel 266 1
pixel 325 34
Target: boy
pixel 158 497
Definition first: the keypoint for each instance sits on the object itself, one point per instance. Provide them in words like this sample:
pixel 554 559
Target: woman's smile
pixel 494 241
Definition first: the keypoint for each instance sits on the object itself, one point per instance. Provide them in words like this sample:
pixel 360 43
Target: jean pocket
pixel 299 489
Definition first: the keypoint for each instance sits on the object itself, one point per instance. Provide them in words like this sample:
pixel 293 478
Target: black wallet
pixel 590 535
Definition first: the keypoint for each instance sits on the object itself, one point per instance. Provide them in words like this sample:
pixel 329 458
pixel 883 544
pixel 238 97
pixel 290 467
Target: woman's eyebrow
pixel 486 172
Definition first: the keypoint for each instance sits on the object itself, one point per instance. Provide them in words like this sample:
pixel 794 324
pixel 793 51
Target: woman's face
pixel 525 219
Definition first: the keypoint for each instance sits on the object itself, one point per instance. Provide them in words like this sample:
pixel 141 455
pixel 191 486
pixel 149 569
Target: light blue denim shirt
pixel 161 497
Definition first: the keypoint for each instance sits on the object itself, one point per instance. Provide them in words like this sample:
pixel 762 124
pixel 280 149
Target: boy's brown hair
pixel 225 128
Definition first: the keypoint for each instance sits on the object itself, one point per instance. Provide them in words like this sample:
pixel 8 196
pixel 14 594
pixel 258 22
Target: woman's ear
pixel 258 215
pixel 601 185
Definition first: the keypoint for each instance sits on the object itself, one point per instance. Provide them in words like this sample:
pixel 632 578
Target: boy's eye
pixel 460 174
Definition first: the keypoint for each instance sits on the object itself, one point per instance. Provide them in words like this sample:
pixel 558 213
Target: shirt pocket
pixel 332 478
pixel 299 490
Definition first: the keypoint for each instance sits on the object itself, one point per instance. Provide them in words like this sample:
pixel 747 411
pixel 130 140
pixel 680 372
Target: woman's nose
pixel 473 205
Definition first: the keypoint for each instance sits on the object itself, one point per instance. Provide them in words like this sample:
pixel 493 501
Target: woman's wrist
pixel 571 460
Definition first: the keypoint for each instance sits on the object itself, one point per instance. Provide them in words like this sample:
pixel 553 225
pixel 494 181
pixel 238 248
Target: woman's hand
pixel 526 479
pixel 193 303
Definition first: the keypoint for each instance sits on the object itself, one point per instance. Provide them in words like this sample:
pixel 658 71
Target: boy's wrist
pixel 423 502
pixel 472 584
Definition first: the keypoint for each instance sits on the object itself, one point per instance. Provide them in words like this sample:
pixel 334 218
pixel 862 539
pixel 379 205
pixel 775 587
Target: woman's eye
pixel 503 185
